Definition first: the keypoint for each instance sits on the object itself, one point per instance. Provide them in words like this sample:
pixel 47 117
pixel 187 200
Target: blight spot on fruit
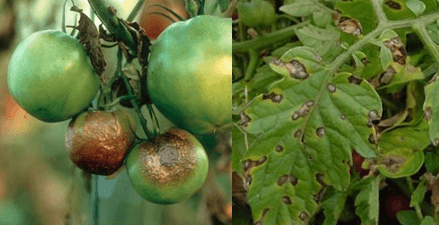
pixel 168 155
pixel 331 88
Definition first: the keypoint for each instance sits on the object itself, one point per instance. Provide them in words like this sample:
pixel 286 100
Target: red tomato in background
pixel 394 204
pixel 153 23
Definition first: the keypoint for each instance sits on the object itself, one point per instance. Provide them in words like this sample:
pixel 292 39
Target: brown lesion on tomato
pixel 100 145
pixel 393 4
pixel 169 158
pixel 355 80
pixel 428 112
pixel 245 119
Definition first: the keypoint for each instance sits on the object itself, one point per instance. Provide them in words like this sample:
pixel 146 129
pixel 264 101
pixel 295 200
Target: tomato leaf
pixel 324 41
pixel 407 217
pixel 432 161
pixel 333 205
pixel 89 36
pixel 428 220
pixel 307 127
pixel 401 151
pixel 431 109
pixel 301 7
pixel 418 193
pixel 416 6
pixel 367 201
pixel 360 10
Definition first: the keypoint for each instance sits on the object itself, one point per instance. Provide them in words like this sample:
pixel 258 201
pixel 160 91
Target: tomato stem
pixel 135 10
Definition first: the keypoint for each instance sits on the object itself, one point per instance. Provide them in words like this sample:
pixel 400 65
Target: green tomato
pixel 190 74
pixel 50 76
pixel 256 13
pixel 168 168
pixel 98 141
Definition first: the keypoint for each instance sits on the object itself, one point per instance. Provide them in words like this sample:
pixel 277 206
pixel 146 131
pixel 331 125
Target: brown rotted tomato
pixel 98 141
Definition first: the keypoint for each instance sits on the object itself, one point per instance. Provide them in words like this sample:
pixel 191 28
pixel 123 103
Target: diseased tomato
pixel 98 141
pixel 190 74
pixel 169 168
pixel 153 19
pixel 50 76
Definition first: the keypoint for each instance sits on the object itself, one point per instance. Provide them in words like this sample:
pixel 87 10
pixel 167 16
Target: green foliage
pixel 353 82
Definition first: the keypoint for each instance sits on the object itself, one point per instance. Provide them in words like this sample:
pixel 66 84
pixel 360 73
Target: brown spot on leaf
pixel 428 112
pixel 293 180
pixel 261 160
pixel 279 148
pixel 281 181
pixel 331 88
pixel 294 67
pixel 303 216
pixel 351 26
pixel 247 164
pixel 321 131
pixel 298 133
pixel 295 116
pixel 273 97
pixel 355 80
pixel 387 76
pixel 372 139
pixel 397 49
pixel 245 119
pixel 286 200
pixel 247 181
pixel 393 5
pixel 373 118
pixel 342 117
pixel 392 162
pixel 309 103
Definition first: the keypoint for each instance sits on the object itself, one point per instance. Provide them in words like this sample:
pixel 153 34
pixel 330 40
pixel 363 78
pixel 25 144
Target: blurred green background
pixel 38 183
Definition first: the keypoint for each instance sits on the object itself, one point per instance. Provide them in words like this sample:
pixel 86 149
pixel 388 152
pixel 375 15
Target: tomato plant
pixel 333 101
pixel 190 74
pixel 50 76
pixel 155 19
pixel 73 74
pixel 98 141
pixel 168 168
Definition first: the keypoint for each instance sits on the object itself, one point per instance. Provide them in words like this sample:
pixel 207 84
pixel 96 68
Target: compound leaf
pixel 308 123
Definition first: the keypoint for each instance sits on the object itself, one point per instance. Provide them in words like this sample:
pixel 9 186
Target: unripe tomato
pixel 169 168
pixel 50 76
pixel 256 13
pixel 190 74
pixel 98 141
pixel 153 23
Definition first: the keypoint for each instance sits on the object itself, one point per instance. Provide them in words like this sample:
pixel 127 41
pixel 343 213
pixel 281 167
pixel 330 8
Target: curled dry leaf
pixel 89 36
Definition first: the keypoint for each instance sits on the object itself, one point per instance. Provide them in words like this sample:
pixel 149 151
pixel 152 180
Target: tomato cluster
pixel 189 80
